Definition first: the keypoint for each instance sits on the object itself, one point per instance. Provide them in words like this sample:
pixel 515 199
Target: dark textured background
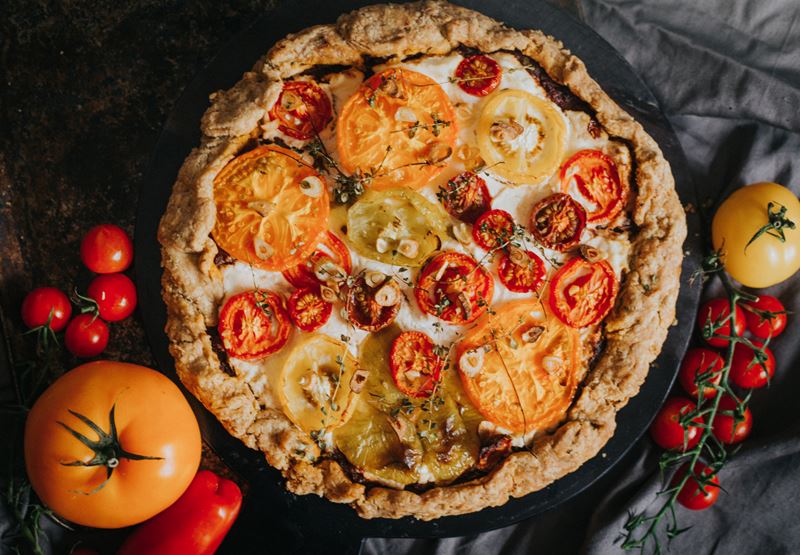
pixel 86 87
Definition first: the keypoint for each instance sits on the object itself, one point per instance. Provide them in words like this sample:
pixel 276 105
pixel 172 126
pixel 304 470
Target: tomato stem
pixel 776 224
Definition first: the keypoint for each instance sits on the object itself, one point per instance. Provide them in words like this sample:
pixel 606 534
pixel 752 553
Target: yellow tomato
pixel 111 444
pixel 753 259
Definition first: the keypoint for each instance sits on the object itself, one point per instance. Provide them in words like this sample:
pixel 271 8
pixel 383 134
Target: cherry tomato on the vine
pixel 106 249
pixel 693 496
pixel 734 427
pixel 700 362
pixel 712 315
pixel 46 304
pixel 752 369
pixel 86 336
pixel 115 295
pixel 766 317
pixel 667 430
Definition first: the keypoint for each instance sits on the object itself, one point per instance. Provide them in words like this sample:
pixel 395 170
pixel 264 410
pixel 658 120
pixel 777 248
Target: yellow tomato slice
pixel 520 367
pixel 271 208
pixel 315 383
pixel 399 127
pixel 521 137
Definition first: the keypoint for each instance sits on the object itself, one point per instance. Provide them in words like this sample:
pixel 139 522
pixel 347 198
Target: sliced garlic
pixel 328 294
pixel 382 245
pixel 471 362
pixel 263 207
pixel 388 295
pixel 591 254
pixel 552 363
pixel 312 186
pixel 328 271
pixel 374 279
pixel 505 131
pixel 405 114
pixel 440 273
pixel 533 334
pixel 462 233
pixel 263 249
pixel 517 256
pixel 438 153
pixel 358 380
pixel 408 248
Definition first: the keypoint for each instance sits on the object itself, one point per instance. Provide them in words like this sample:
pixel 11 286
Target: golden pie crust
pixel 193 291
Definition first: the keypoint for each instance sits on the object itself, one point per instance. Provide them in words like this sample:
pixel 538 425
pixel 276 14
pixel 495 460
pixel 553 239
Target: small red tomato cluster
pixel 677 426
pixel 111 296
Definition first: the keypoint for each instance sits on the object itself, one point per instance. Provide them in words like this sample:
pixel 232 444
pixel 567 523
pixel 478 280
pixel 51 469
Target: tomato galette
pixel 420 260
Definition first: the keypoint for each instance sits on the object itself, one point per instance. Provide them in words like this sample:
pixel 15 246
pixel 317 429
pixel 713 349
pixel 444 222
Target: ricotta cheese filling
pixel 517 200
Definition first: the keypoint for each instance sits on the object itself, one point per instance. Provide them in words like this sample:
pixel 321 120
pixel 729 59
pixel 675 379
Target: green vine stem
pixel 642 530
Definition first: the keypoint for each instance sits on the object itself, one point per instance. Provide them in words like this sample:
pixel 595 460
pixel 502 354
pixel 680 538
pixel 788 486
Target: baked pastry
pixel 420 260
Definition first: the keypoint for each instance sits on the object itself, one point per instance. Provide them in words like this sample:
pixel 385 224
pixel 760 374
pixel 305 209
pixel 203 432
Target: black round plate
pixel 284 522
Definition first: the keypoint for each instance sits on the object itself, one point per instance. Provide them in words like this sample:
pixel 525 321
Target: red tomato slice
pixel 453 287
pixel 595 176
pixel 583 292
pixel 253 324
pixel 373 308
pixel 558 221
pixel 494 229
pixel 308 310
pixel 330 248
pixel 303 109
pixel 478 75
pixel 524 275
pixel 465 197
pixel 416 367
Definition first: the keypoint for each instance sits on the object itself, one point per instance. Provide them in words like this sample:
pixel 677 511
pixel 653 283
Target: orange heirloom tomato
pixel 144 438
pixel 594 176
pixel 272 208
pixel 400 126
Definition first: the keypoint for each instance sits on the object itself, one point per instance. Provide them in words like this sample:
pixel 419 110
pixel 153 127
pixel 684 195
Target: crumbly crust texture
pixel 192 284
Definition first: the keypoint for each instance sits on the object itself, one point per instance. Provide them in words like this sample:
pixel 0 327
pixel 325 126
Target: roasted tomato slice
pixel 558 221
pixel 494 229
pixel 453 287
pixel 465 197
pixel 478 75
pixel 330 250
pixel 254 324
pixel 583 292
pixel 308 310
pixel 372 308
pixel 416 367
pixel 303 109
pixel 521 271
pixel 399 128
pixel 594 176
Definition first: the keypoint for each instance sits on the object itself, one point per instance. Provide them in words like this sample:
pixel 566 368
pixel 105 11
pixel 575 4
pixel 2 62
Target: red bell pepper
pixel 195 524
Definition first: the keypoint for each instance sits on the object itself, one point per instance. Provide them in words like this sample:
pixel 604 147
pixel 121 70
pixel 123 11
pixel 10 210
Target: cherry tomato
pixel 86 336
pixel 308 310
pixel 700 362
pixel 714 312
pixel 494 229
pixel 416 367
pixel 465 197
pixel 734 427
pixel 692 496
pixel 594 175
pixel 373 308
pixel 766 317
pixel 667 430
pixel 106 249
pixel 478 75
pixel 254 324
pixel 453 287
pixel 331 250
pixel 46 304
pixel 303 109
pixel 751 369
pixel 115 295
pixel 196 523
pixel 582 293
pixel 557 222
pixel 521 271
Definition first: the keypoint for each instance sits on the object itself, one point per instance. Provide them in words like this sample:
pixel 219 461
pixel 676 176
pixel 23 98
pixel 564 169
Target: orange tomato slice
pixel 399 126
pixel 271 208
pixel 519 366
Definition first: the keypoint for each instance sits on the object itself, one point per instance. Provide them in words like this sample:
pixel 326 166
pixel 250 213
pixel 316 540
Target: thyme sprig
pixel 643 530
